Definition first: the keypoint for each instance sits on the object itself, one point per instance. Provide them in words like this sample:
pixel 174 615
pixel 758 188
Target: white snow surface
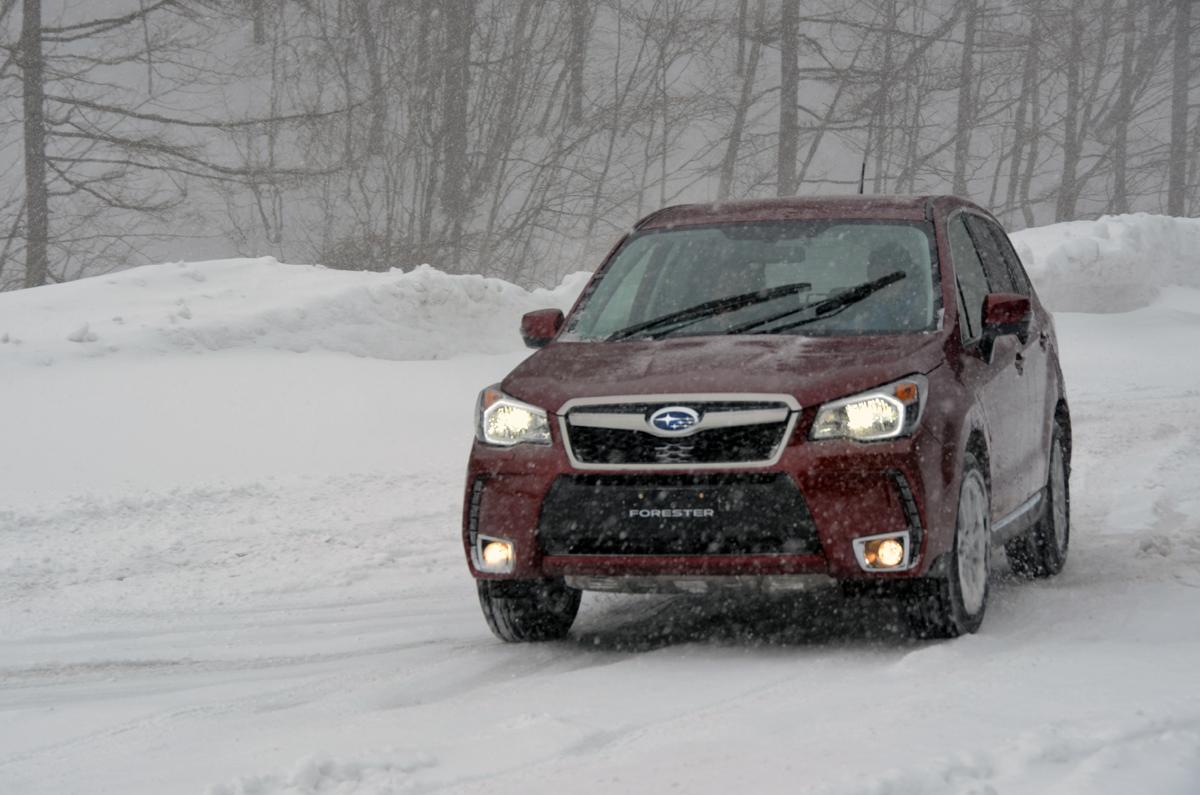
pixel 1113 264
pixel 264 304
pixel 229 568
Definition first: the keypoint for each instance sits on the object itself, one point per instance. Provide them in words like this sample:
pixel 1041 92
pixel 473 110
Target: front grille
pixel 723 514
pixel 593 444
pixel 719 445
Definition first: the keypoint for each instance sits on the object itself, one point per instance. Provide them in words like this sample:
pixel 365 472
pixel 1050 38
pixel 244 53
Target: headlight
pixel 503 421
pixel 887 412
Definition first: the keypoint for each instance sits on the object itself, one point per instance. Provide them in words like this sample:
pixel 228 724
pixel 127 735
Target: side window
pixel 1016 270
pixel 998 277
pixel 972 283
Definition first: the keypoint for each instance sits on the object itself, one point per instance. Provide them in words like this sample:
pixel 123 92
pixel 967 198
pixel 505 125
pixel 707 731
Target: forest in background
pixel 520 138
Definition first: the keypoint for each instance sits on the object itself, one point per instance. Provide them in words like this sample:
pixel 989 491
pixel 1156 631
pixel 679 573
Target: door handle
pixel 1019 361
pixel 1043 338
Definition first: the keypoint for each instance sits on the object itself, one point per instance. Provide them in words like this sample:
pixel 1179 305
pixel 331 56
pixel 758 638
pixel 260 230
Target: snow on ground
pixel 231 568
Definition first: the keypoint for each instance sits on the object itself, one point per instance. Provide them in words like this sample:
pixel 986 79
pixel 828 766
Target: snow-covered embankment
pixel 260 303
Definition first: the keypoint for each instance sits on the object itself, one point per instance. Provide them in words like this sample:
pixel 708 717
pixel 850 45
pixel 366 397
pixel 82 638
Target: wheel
pixel 520 611
pixel 953 606
pixel 1042 550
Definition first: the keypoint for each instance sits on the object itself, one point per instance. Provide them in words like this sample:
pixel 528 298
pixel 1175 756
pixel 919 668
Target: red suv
pixel 774 394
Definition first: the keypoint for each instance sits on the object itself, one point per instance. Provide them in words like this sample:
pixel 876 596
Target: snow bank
pixel 261 303
pixel 1112 264
pixel 1116 263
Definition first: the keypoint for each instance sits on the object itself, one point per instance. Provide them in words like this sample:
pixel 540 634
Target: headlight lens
pixel 887 412
pixel 505 421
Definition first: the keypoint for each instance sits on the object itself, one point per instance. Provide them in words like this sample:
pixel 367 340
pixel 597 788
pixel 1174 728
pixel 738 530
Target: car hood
pixel 812 369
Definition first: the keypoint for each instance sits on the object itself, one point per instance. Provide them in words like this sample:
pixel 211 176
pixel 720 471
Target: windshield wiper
pixel 823 308
pixel 708 309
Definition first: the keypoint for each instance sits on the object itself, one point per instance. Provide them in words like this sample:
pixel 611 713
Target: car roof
pixel 815 207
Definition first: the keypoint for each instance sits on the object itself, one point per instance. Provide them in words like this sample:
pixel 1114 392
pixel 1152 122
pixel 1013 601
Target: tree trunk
pixel 1068 188
pixel 580 17
pixel 739 70
pixel 1031 159
pixel 1029 76
pixel 1177 162
pixel 37 211
pixel 459 19
pixel 378 98
pixel 737 128
pixel 789 89
pixel 1123 113
pixel 883 103
pixel 260 20
pixel 966 103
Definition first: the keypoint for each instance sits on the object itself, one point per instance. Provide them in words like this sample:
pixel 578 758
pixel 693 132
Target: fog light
pixel 495 555
pixel 887 553
pixel 882 552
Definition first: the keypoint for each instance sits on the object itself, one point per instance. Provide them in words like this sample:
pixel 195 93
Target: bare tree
pixel 37 212
pixel 789 88
pixel 515 137
pixel 1181 73
pixel 103 154
pixel 745 99
pixel 966 104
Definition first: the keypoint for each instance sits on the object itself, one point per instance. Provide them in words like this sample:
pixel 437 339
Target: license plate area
pixel 676 515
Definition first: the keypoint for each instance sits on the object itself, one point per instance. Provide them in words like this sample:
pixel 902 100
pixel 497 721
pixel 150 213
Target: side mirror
pixel 1006 313
pixel 538 328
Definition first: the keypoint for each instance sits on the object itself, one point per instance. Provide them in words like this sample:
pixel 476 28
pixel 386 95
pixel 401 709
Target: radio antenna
pixel 862 176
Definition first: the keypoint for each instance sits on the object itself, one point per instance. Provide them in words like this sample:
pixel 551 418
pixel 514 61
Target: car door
pixel 1035 427
pixel 994 379
pixel 1024 414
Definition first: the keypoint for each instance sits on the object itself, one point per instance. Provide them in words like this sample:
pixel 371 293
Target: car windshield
pixel 826 278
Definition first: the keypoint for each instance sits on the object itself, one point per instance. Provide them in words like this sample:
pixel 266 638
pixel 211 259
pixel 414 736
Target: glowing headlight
pixel 505 421
pixel 887 412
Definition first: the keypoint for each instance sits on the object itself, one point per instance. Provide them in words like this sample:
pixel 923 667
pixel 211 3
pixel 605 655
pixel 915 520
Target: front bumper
pixel 846 490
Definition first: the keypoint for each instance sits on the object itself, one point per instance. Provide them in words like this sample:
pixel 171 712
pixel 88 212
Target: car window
pixel 618 306
pixel 1020 279
pixel 663 271
pixel 972 282
pixel 998 277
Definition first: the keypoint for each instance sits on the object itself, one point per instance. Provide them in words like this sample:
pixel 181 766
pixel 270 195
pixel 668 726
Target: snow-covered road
pixel 239 572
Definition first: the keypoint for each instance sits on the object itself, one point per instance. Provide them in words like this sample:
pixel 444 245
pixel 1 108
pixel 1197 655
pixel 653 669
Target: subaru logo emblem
pixel 673 419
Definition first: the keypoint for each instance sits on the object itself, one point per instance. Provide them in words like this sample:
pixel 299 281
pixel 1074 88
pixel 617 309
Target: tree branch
pixel 84 30
pixel 210 125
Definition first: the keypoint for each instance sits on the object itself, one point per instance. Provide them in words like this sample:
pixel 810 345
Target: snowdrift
pixel 1113 264
pixel 261 303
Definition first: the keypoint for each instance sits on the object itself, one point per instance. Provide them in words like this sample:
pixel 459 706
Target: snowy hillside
pixel 227 567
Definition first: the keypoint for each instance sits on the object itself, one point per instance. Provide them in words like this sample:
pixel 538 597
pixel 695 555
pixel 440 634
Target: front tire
pixel 523 611
pixel 953 606
pixel 1042 551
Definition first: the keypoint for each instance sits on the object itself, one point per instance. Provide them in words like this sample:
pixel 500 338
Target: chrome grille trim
pixel 721 419
pixel 713 419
